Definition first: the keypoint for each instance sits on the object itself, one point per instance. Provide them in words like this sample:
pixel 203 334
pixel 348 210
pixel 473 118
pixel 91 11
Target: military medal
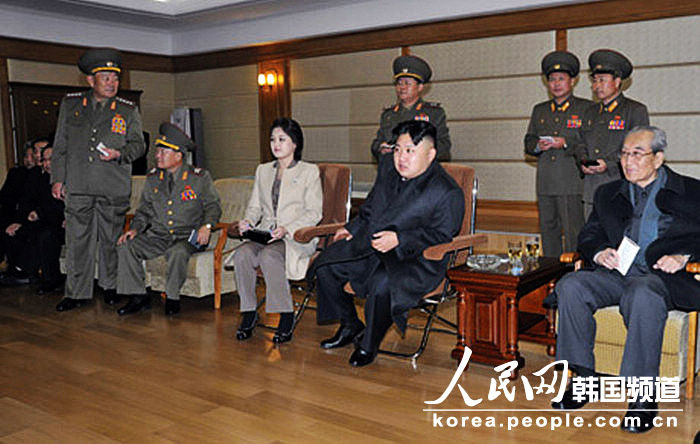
pixel 617 124
pixel 188 193
pixel 573 122
pixel 422 116
pixel 118 124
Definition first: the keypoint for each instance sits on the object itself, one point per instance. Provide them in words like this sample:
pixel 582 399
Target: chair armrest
pixel 693 267
pixel 304 235
pixel 127 222
pixel 437 252
pixel 569 257
pixel 220 226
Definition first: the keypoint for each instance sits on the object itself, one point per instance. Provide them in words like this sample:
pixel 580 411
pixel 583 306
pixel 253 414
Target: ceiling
pixel 176 27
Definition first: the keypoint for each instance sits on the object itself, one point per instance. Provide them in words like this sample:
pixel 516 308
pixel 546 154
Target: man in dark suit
pixel 414 204
pixel 34 240
pixel 659 210
pixel 14 187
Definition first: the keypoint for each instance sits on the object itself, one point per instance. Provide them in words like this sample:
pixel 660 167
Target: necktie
pixel 169 183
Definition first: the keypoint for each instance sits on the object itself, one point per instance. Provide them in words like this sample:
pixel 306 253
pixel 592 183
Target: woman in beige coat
pixel 286 196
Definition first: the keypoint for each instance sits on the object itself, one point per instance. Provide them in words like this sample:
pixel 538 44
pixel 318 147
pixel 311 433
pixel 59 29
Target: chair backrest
pixel 466 180
pixel 234 194
pixel 336 182
pixel 137 184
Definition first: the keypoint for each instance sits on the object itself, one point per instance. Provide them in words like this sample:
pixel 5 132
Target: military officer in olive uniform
pixel 606 123
pixel 179 205
pixel 553 136
pixel 97 137
pixel 411 73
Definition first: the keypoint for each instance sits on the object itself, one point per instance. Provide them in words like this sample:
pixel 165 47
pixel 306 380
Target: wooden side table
pixel 495 309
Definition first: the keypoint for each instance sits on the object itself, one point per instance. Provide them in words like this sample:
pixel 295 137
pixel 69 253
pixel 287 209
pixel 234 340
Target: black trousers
pixel 336 304
pixel 49 240
pixel 21 249
pixel 36 246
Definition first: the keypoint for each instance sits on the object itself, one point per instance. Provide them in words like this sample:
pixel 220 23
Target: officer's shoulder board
pixel 152 172
pixel 126 102
pixel 393 107
pixel 432 104
pixel 199 171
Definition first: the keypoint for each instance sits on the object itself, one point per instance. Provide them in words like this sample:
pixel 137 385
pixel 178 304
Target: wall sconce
pixel 267 79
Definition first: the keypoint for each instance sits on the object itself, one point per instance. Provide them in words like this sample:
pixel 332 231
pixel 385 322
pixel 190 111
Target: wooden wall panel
pixel 365 68
pixel 486 58
pixel 45 73
pixel 157 102
pixel 228 98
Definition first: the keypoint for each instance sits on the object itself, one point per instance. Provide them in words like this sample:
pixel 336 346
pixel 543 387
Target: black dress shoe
pixel 282 337
pixel 361 357
pixel 172 307
pixel 640 417
pixel 344 336
pixel 70 303
pixel 568 402
pixel 244 333
pixel 136 303
pixel 111 297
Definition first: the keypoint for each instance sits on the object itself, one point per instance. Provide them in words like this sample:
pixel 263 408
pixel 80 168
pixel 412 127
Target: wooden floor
pixel 91 376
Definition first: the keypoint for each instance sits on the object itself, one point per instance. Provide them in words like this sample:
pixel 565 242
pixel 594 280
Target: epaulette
pixel 74 95
pixel 198 171
pixel 152 172
pixel 391 107
pixel 432 104
pixel 126 102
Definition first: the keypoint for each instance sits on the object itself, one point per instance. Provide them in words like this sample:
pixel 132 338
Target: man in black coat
pixel 659 210
pixel 37 234
pixel 414 204
pixel 14 187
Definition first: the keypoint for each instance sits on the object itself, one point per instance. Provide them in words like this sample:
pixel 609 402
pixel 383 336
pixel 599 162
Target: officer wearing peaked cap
pixel 607 123
pixel 98 135
pixel 554 137
pixel 411 73
pixel 179 207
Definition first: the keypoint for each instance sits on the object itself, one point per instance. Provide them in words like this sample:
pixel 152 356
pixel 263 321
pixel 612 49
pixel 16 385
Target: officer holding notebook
pixel 179 206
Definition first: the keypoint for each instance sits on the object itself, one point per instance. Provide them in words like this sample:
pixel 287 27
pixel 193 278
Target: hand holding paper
pixel 627 251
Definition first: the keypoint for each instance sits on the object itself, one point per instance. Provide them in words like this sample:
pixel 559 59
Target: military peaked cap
pixel 560 61
pixel 173 138
pixel 607 61
pixel 100 59
pixel 412 66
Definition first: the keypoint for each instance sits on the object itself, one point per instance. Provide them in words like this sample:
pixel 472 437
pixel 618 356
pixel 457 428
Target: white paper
pixel 627 251
pixel 101 148
pixel 549 139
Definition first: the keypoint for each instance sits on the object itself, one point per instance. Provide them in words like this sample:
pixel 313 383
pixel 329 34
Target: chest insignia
pixel 422 116
pixel 573 122
pixel 76 114
pixel 118 124
pixel 188 193
pixel 616 124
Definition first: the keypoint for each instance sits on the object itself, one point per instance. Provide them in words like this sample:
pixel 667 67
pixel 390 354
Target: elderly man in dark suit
pixel 414 204
pixel 659 210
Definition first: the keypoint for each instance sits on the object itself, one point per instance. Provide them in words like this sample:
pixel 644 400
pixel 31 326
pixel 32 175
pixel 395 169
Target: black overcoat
pixel 423 211
pixel 679 198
